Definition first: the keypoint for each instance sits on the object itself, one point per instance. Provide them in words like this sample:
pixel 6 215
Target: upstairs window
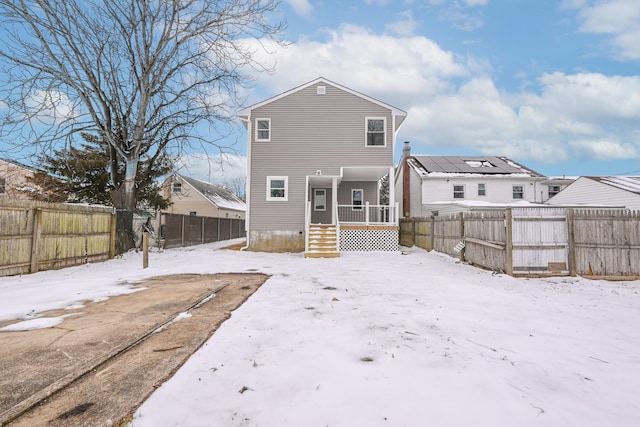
pixel 176 187
pixel 263 130
pixel 458 191
pixel 278 188
pixel 376 132
pixel 482 189
pixel 3 185
pixel 518 192
pixel 553 190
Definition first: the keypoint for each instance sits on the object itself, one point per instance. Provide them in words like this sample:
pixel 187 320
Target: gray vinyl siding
pixel 369 192
pixel 310 132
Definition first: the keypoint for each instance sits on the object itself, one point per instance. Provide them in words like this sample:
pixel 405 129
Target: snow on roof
pixel 218 195
pixel 469 166
pixel 627 183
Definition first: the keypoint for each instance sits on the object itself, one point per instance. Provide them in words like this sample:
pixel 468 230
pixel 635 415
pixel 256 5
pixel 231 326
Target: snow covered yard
pixel 382 339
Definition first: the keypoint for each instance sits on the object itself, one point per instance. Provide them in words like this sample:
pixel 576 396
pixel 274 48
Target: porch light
pixel 318 172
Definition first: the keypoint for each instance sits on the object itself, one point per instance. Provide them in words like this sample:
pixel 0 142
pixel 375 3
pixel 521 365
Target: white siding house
pixel 439 185
pixel 601 191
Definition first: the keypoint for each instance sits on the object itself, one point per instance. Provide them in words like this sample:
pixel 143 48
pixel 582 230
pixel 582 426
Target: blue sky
pixel 554 85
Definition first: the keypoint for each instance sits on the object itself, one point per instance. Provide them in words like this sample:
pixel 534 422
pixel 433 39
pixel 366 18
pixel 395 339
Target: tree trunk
pixel 124 199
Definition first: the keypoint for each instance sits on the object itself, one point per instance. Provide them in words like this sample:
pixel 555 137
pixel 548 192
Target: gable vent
pixel 321 90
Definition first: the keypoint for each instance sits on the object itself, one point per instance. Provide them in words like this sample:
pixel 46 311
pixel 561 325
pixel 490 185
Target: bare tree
pixel 237 186
pixel 138 74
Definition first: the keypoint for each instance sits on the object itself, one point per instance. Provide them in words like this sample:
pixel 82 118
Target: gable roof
pixel 18 164
pixel 469 165
pixel 627 183
pixel 400 114
pixel 216 194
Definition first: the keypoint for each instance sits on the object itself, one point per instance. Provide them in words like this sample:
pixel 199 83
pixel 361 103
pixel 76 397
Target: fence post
pixel 182 232
pixel 432 232
pixel 145 249
pixel 571 243
pixel 202 231
pixel 461 217
pixel 112 242
pixel 35 239
pixel 509 242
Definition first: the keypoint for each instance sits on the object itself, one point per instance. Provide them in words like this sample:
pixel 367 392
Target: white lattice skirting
pixel 370 239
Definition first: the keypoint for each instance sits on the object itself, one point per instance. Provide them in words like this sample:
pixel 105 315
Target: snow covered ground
pixel 381 339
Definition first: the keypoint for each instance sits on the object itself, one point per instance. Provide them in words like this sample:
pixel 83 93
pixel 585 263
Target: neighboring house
pixel 316 155
pixel 601 191
pixel 194 197
pixel 440 185
pixel 14 184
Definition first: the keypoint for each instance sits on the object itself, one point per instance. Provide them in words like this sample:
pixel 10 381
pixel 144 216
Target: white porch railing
pixel 368 214
pixel 307 224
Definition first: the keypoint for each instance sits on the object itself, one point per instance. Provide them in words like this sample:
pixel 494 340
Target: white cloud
pixel 619 19
pixel 301 7
pixel 453 101
pixel 604 149
pixel 221 169
pixel 395 69
pixel 404 25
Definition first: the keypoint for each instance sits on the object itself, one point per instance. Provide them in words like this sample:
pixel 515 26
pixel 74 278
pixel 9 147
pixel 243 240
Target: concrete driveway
pixel 104 359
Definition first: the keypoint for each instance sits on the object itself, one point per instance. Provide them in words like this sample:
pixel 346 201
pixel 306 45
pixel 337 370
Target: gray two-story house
pixel 316 155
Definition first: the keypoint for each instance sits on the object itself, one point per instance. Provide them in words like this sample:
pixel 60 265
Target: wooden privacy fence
pixel 41 236
pixel 186 230
pixel 536 240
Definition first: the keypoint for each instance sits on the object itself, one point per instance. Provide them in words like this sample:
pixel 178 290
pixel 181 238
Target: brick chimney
pixel 406 190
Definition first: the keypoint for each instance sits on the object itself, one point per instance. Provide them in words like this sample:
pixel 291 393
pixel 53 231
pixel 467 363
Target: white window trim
pixel 366 131
pixel 315 194
pixel 257 130
pixel 354 207
pixel 485 189
pixel 176 187
pixel 286 188
pixel 453 193
pixel 513 192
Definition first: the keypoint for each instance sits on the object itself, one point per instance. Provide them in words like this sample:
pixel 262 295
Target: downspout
pixel 247 188
pixel 406 184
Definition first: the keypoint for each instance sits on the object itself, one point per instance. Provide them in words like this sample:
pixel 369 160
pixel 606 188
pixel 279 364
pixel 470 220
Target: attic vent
pixel 479 164
pixel 321 90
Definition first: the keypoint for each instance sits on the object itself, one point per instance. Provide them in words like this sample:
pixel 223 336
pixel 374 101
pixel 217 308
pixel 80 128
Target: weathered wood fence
pixel 41 236
pixel 185 230
pixel 536 240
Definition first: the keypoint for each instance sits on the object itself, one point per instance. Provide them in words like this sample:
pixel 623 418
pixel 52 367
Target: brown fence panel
pixel 607 243
pixel 186 230
pixel 485 239
pixel 211 233
pixel 171 230
pixel 447 233
pixel 40 236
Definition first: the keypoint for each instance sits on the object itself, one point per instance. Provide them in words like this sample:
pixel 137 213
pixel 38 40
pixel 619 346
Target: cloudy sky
pixel 554 85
